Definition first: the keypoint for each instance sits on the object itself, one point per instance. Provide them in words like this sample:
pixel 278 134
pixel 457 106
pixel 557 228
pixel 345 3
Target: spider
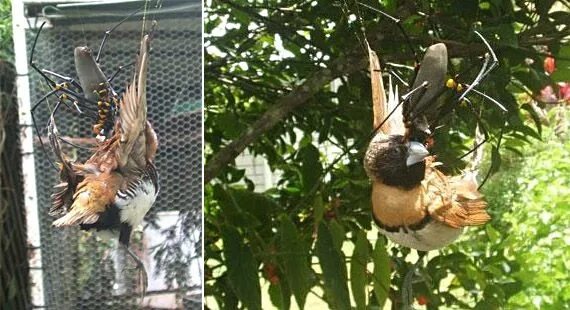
pixel 93 97
pixel 448 94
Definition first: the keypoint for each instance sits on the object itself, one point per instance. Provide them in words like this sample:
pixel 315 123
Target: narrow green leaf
pixel 311 166
pixel 256 204
pixel 231 209
pixel 495 160
pixel 381 272
pixel 242 268
pixel 280 295
pixel 338 234
pixel 562 73
pixel 318 209
pixel 507 35
pixel 360 257
pixel 334 269
pixel 492 233
pixel 295 256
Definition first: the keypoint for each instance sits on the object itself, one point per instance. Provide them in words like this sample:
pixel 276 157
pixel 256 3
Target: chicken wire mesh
pixel 78 267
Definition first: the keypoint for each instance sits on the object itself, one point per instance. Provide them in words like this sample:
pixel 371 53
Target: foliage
pixel 274 62
pixel 13 247
pixel 530 238
pixel 6 45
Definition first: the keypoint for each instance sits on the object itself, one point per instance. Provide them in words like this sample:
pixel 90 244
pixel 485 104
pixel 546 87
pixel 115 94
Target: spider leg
pixel 73 144
pixel 51 124
pixel 33 64
pixel 35 124
pixel 421 89
pixel 108 33
pixel 119 70
pixel 486 138
pixel 65 78
pixel 502 107
pixel 495 149
pixel 491 62
pixel 481 126
pixel 398 23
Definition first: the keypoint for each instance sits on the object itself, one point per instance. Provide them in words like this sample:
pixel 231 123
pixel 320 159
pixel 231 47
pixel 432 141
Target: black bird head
pixel 396 156
pixel 395 162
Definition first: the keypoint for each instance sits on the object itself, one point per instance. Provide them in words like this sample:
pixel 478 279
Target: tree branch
pixel 343 65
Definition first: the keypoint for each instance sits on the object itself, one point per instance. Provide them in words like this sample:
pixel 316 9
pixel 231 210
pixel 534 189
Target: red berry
pixel 271 273
pixel 422 300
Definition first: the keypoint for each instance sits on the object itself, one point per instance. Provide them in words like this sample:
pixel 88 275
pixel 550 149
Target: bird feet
pixel 411 277
pixel 142 274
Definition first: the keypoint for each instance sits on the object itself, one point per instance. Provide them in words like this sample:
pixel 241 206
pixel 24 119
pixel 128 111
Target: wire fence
pixel 78 268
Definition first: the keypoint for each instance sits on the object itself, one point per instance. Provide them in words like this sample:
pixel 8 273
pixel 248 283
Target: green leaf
pixel 295 256
pixel 495 160
pixel 492 233
pixel 338 234
pixel 562 73
pixel 232 210
pixel 381 272
pixel 334 269
pixel 358 263
pixel 242 268
pixel 318 209
pixel 256 204
pixel 229 125
pixel 507 35
pixel 484 5
pixel 280 295
pixel 311 166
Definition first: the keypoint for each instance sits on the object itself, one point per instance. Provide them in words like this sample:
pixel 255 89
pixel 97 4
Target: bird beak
pixel 417 152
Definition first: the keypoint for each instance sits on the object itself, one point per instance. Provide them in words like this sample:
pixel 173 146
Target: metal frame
pixel 19 24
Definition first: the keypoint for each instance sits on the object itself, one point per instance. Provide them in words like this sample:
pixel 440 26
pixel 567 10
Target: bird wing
pixel 382 106
pixel 62 198
pixel 133 114
pixel 454 201
pixel 92 197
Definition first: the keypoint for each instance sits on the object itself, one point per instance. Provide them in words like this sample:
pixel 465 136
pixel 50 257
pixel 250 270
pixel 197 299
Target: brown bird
pixel 413 203
pixel 114 189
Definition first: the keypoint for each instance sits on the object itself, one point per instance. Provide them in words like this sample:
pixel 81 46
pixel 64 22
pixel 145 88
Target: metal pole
pixel 28 165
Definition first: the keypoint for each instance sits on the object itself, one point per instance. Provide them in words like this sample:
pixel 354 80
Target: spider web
pixel 78 268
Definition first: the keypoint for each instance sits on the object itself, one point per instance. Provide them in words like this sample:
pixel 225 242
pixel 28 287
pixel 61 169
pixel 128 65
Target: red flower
pixel 549 64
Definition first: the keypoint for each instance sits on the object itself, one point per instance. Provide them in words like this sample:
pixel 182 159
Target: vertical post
pixel 28 165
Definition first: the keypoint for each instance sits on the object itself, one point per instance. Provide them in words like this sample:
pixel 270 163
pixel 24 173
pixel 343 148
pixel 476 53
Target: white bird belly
pixel 135 204
pixel 434 235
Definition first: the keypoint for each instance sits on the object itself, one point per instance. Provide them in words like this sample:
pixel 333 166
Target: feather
pixel 93 196
pixel 454 201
